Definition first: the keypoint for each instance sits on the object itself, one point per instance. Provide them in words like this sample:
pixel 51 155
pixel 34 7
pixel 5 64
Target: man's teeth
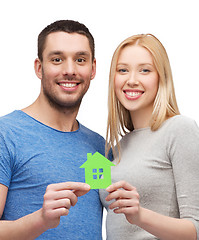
pixel 68 85
pixel 133 94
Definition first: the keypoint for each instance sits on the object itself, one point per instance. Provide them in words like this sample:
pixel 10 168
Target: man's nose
pixel 69 68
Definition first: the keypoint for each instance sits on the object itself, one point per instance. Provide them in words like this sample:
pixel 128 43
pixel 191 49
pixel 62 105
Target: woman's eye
pixel 145 70
pixel 122 70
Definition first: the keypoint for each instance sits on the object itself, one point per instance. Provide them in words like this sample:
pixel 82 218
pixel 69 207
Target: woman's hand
pixel 126 200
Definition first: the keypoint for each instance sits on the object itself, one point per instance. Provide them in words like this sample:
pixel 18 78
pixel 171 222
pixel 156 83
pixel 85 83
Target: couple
pixel 155 188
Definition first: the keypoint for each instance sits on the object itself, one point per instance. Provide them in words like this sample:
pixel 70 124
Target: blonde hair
pixel 165 105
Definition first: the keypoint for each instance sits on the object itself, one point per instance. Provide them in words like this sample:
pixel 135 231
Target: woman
pixel 155 190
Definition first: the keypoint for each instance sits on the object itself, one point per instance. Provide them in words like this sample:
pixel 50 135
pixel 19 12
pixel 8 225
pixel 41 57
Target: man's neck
pixel 61 119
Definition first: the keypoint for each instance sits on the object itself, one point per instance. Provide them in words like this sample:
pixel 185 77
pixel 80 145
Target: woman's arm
pixel 166 228
pixel 126 201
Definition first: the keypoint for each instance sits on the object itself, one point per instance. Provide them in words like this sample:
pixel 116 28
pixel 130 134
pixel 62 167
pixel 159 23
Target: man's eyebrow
pixel 80 53
pixel 55 53
pixel 83 53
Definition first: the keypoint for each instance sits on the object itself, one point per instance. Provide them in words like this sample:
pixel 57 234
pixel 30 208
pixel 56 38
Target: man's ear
pixel 38 68
pixel 93 69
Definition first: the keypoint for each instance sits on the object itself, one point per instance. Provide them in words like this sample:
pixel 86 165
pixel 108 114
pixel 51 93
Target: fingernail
pixel 88 186
pixel 107 198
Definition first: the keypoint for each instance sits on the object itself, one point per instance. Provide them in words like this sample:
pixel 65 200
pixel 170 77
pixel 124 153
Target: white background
pixel 174 22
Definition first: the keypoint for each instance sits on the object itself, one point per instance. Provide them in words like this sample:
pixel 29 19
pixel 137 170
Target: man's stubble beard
pixel 62 105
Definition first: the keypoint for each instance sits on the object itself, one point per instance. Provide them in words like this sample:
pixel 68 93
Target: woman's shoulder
pixel 179 122
pixel 178 125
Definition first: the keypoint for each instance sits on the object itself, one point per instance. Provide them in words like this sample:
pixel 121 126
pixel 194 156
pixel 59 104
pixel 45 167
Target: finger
pixel 61 203
pixel 127 210
pixel 122 194
pixel 69 186
pixel 65 203
pixel 123 203
pixel 80 193
pixel 56 213
pixel 54 196
pixel 121 184
pixel 117 194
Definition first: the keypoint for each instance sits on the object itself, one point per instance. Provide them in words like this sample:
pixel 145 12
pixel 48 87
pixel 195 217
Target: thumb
pixel 84 189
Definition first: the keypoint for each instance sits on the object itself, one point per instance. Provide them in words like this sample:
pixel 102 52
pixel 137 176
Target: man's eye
pixel 57 60
pixel 80 60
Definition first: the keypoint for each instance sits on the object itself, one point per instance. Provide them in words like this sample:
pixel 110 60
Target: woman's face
pixel 136 80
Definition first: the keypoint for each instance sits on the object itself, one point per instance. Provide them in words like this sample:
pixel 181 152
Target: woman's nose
pixel 132 80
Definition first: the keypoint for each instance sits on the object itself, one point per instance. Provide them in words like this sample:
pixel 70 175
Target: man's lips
pixel 69 86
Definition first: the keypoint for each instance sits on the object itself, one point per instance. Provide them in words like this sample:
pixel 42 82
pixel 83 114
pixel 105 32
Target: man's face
pixel 66 69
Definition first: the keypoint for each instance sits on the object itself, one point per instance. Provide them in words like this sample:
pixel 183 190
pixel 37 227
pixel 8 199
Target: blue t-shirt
pixel 32 156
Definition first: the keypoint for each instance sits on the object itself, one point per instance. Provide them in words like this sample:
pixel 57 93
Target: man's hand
pixel 59 198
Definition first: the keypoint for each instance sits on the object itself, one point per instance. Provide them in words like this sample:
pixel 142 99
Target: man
pixel 43 146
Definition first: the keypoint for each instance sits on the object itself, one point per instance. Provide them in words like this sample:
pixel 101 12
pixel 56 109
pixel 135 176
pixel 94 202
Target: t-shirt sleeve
pixel 184 155
pixel 5 163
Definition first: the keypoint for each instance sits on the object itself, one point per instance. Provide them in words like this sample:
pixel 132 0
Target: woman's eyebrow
pixel 122 64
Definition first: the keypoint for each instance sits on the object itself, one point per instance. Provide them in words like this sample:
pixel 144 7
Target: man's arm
pixel 57 201
pixel 3 195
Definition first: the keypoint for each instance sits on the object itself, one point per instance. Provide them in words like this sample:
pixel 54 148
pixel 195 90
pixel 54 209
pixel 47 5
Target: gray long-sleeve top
pixel 164 167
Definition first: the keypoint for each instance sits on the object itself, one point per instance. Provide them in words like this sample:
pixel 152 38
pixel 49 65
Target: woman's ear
pixel 38 68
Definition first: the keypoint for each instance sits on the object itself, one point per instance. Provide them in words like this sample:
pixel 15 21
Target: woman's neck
pixel 141 118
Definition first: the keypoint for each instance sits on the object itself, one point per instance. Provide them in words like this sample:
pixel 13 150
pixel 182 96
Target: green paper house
pixel 97 171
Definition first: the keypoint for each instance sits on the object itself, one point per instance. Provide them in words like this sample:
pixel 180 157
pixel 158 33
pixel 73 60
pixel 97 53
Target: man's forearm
pixel 26 228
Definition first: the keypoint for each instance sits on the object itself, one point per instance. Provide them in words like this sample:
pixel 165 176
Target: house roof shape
pixel 96 160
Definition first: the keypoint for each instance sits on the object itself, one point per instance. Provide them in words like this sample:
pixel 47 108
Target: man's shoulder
pixel 93 138
pixel 87 131
pixel 13 122
pixel 8 118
